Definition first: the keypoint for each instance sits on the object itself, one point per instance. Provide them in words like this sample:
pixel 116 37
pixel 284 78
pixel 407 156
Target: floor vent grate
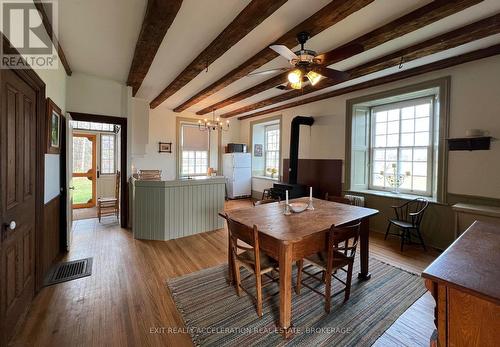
pixel 69 271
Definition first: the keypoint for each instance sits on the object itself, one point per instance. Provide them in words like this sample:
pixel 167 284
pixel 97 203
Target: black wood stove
pixel 294 190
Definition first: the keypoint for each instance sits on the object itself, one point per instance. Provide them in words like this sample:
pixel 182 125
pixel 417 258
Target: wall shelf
pixel 469 143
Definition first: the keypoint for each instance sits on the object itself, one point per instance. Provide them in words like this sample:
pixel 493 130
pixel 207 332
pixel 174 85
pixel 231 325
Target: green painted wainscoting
pixel 165 210
pixel 438 225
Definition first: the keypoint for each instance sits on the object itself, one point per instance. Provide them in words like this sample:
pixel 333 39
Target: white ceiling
pixel 99 38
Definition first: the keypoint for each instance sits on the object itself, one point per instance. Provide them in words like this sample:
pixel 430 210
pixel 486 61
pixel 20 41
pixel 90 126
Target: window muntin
pixel 401 146
pixel 272 150
pixel 108 154
pixel 94 126
pixel 194 163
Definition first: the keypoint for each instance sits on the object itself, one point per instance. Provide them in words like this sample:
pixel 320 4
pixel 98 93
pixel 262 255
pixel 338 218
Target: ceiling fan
pixel 307 66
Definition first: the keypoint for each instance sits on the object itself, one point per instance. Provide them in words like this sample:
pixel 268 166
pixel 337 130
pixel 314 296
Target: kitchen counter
pixel 165 210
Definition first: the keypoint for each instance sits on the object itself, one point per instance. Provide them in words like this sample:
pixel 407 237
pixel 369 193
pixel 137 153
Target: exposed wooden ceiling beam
pixel 251 16
pixel 412 21
pixel 50 32
pixel 455 38
pixel 329 15
pixel 438 65
pixel 157 20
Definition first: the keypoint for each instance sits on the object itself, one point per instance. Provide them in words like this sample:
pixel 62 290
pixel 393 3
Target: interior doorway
pixel 96 174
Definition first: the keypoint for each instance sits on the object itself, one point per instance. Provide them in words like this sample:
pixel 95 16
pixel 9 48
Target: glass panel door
pixel 84 170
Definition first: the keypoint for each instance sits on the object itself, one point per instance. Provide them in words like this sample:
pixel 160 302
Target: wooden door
pixel 84 170
pixel 17 199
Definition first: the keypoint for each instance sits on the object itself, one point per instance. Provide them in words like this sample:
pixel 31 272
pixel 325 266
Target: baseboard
pixel 256 194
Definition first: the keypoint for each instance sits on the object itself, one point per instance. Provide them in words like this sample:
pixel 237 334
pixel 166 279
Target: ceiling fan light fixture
pixel 297 85
pixel 295 76
pixel 313 77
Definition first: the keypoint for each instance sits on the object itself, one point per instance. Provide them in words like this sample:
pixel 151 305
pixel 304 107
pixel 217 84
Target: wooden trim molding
pixel 194 121
pixel 329 15
pixel 278 118
pixel 412 21
pixel 438 65
pixel 443 87
pixel 50 31
pixel 452 39
pixel 122 122
pixel 249 18
pixel 159 16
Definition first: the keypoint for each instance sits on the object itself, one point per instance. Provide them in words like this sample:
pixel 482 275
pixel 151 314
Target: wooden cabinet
pixel 465 283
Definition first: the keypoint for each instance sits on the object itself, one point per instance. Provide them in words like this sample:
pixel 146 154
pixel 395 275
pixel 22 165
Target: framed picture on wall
pixel 165 147
pixel 53 125
pixel 257 150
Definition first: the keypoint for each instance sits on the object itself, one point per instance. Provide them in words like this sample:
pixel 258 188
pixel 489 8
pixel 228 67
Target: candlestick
pixel 286 212
pixel 310 205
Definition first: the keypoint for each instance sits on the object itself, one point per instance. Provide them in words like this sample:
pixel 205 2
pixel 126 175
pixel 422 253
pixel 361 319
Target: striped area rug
pixel 215 316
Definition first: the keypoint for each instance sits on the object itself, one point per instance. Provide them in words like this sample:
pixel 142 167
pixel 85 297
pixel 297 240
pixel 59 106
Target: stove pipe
pixel 294 145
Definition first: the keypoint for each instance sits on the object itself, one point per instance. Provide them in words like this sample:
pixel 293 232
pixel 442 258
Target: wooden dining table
pixel 288 238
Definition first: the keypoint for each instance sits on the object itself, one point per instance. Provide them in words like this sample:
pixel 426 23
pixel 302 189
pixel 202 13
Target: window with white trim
pixel 272 150
pixel 401 147
pixel 108 151
pixel 195 146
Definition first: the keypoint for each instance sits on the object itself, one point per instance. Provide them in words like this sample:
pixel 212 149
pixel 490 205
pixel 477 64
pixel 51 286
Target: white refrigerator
pixel 238 173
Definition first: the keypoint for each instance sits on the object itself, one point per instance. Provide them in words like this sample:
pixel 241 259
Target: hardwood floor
pixel 84 213
pixel 125 300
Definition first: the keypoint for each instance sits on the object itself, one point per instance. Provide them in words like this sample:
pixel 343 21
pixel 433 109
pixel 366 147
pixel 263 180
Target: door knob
pixel 12 225
pixel 72 188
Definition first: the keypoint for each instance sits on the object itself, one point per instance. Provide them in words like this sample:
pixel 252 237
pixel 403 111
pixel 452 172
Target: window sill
pixel 266 178
pixel 401 196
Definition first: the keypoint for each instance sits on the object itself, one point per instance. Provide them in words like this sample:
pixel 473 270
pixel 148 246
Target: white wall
pixel 95 95
pixel 162 128
pixel 475 103
pixel 55 89
pixel 146 127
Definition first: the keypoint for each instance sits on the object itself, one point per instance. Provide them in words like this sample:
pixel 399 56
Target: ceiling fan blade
pixel 331 73
pixel 339 54
pixel 268 72
pixel 284 51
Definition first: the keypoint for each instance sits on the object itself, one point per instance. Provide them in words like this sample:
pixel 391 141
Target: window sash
pixel 194 163
pixel 108 157
pixel 429 147
pixel 271 149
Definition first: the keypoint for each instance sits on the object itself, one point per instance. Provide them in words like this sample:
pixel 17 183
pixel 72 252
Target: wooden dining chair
pixel 266 194
pixel 339 199
pixel 251 258
pixel 111 205
pixel 340 254
pixel 408 219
